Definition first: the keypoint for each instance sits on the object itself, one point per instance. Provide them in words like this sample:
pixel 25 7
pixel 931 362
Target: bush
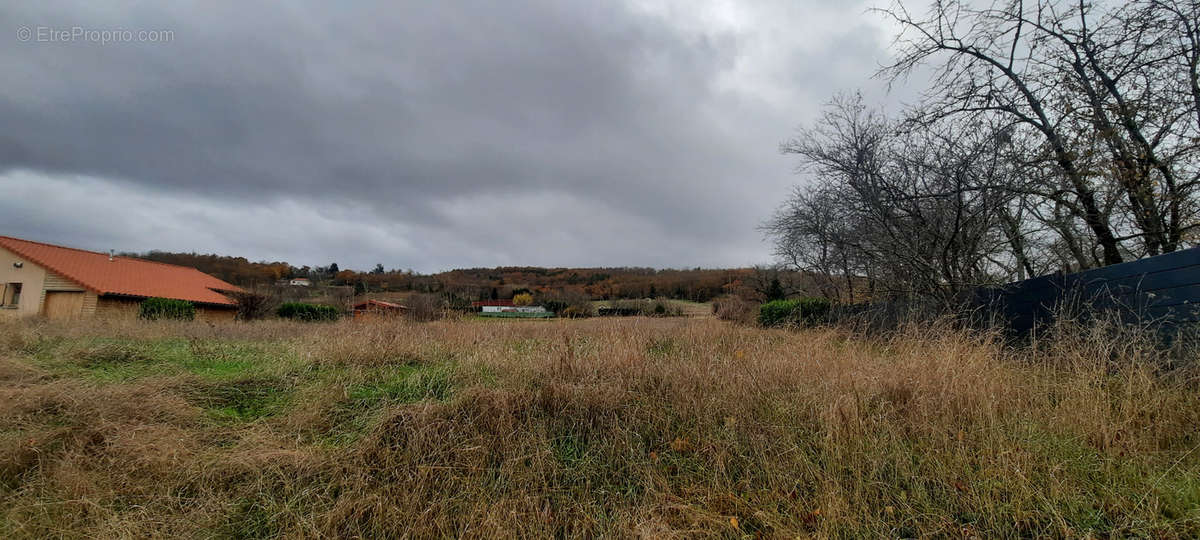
pixel 424 307
pixel 555 306
pixel 308 312
pixel 568 304
pixel 575 312
pixel 253 305
pixel 154 309
pixel 733 308
pixel 800 312
pixel 660 307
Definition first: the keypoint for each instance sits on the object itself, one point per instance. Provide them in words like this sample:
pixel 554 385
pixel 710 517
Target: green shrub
pixel 776 312
pixel 165 308
pixel 555 306
pixel 308 312
pixel 660 307
pixel 809 311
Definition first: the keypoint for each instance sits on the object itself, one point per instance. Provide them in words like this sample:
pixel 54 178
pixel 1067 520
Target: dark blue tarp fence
pixel 1162 290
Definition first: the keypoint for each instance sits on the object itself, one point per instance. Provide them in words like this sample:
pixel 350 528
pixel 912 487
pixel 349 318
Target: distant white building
pixel 512 309
pixel 300 282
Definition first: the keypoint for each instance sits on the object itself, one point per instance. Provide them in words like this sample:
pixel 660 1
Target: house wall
pixel 110 307
pixel 32 278
pixel 376 314
pixel 208 314
pixel 58 282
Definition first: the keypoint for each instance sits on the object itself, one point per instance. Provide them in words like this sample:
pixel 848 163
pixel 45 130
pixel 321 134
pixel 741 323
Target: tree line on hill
pixel 1054 136
pixel 569 285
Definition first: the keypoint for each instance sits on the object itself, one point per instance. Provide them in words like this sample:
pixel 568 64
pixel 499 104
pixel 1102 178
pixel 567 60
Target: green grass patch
pixel 120 360
pixel 570 450
pixel 226 360
pixel 662 347
pixel 117 360
pixel 405 384
pixel 526 346
pixel 251 518
pixel 485 375
pixel 245 400
pixel 354 416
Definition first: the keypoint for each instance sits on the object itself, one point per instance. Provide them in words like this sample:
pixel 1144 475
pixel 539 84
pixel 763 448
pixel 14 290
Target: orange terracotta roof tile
pixel 123 275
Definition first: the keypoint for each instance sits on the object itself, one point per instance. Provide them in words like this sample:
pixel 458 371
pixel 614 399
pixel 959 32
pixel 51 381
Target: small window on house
pixel 12 295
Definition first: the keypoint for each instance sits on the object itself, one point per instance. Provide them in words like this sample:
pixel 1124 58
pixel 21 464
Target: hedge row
pixel 799 312
pixel 308 312
pixel 166 309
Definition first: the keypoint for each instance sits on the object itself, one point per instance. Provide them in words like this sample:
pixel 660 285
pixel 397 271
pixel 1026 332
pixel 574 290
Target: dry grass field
pixel 604 427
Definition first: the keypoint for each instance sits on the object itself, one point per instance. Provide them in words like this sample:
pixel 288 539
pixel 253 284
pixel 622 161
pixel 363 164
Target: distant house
pixel 377 308
pixel 64 283
pixel 300 282
pixel 492 306
pixel 505 306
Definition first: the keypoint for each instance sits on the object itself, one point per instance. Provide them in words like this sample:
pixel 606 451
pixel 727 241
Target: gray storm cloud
pixel 422 135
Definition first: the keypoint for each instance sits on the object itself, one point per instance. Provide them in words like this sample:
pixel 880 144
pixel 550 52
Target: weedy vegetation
pixel 617 427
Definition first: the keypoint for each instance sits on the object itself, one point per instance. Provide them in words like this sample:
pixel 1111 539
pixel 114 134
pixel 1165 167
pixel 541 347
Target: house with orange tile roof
pixel 65 283
pixel 372 309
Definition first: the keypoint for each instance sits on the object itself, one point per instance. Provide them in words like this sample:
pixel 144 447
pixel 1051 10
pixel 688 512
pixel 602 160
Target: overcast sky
pixel 427 135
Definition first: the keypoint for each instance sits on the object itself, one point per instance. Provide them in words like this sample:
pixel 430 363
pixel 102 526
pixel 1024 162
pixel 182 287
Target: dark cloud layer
pixel 419 134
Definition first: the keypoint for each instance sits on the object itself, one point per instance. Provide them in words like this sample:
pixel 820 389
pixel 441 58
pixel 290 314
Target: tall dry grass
pixel 609 427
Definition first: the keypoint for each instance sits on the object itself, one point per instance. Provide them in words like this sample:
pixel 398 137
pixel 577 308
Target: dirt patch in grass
pixel 111 354
pixel 13 372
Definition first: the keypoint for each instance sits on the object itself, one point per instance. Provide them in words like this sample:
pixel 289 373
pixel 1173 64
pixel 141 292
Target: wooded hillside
pixel 697 284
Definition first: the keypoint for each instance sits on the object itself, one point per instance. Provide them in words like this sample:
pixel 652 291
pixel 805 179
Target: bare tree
pixel 1055 135
pixel 812 237
pixel 1098 88
pixel 425 307
pixel 911 211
